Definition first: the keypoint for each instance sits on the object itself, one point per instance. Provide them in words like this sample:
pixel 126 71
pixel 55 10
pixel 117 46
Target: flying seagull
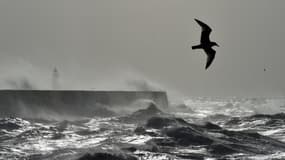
pixel 206 44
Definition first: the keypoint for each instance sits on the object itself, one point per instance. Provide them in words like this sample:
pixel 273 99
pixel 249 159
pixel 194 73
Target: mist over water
pixel 22 75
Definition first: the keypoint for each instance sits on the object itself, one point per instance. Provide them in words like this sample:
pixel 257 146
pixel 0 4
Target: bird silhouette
pixel 206 44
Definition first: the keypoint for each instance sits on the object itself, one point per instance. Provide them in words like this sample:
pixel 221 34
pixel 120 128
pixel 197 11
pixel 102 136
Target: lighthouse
pixel 55 79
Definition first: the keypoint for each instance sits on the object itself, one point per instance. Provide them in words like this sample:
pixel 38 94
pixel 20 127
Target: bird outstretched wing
pixel 206 30
pixel 210 56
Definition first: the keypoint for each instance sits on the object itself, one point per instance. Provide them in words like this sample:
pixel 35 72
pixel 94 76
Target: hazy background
pixel 104 43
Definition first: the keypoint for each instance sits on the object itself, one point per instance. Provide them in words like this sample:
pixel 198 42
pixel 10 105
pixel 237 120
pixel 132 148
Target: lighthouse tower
pixel 55 79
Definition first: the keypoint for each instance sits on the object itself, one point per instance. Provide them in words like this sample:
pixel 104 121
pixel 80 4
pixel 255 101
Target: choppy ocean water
pixel 198 128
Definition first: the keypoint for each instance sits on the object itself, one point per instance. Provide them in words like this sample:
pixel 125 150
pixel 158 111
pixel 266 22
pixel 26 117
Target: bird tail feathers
pixel 196 47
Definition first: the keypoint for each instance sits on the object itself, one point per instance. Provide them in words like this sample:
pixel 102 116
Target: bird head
pixel 214 44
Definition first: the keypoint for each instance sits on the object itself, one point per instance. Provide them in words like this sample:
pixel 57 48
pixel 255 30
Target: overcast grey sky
pixel 99 40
